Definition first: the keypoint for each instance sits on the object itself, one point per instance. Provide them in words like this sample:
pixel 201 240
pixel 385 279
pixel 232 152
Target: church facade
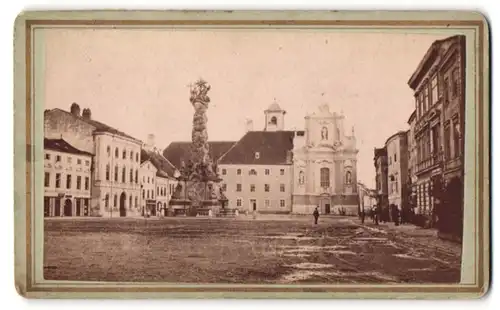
pixel 324 165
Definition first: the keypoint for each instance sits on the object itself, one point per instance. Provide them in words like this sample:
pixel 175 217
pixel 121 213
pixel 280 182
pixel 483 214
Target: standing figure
pixel 363 215
pixel 316 215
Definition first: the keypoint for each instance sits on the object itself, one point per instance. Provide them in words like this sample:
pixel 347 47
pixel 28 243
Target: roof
pixel 100 127
pixel 379 152
pixel 397 134
pixel 274 107
pixel 423 64
pixel 61 145
pixel 178 151
pixel 273 147
pixel 164 166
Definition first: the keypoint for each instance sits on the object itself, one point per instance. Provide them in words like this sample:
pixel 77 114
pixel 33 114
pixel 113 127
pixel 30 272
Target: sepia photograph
pixel 255 155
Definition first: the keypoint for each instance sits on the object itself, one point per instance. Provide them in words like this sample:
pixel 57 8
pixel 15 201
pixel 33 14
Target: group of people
pixel 391 214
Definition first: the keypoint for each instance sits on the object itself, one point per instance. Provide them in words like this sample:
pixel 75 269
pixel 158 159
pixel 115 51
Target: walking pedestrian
pixel 316 215
pixel 363 216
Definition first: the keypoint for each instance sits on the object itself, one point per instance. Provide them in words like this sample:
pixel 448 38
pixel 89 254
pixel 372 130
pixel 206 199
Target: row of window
pixel 253 203
pixel 429 94
pixel 123 174
pixel 252 172
pixel 69 178
pixel 124 154
pixel 115 201
pixel 69 159
pixel 162 191
pixel 267 187
pixel 325 177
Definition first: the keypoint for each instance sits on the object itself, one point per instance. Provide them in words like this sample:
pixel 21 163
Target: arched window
pixel 130 202
pixel 116 152
pixel 301 177
pixel 132 155
pixel 143 194
pixel 115 201
pixel 274 120
pixel 325 177
pixel 136 176
pixel 106 202
pixel 348 179
pixel 124 154
pixel 137 157
pixel 131 175
pixel 136 202
pixel 252 172
pixel 116 173
pixel 108 150
pixel 123 175
pixel 148 195
pixel 107 172
pixel 324 133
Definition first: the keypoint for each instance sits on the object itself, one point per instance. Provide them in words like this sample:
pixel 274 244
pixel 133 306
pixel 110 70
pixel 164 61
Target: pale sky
pixel 136 80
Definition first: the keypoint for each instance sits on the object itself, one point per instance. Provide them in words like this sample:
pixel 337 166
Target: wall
pixel 79 166
pixel 147 178
pixel 229 175
pixel 103 187
pixel 59 124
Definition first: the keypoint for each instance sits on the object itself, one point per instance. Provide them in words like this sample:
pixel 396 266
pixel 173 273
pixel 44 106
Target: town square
pixel 193 186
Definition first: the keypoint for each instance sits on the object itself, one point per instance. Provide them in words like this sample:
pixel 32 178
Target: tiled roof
pixel 273 148
pixel 178 151
pixel 100 127
pixel 164 166
pixel 62 146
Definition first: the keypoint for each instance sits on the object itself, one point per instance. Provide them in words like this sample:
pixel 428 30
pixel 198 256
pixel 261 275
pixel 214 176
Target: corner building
pixel 115 186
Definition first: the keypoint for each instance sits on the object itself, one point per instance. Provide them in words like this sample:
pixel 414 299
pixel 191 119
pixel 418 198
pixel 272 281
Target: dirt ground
pixel 266 250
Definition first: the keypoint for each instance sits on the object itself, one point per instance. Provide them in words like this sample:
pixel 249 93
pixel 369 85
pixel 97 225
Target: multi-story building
pixel 381 178
pixel 436 83
pixel 412 162
pixel 67 179
pixel 157 177
pixel 397 169
pixel 115 187
pixel 325 160
pixel 284 171
pixel 453 72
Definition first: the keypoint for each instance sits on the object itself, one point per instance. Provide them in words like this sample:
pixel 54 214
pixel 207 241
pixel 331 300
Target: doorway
pixel 78 206
pixel 325 206
pixel 68 208
pixel 46 206
pixel 57 207
pixel 253 203
pixel 123 210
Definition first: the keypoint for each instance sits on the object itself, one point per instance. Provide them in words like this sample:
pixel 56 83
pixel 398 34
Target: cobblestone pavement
pixel 244 250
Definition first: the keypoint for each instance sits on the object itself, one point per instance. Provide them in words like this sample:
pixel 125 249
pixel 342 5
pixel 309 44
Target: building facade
pixel 397 169
pixel 115 186
pixel 324 165
pixel 381 178
pixel 437 84
pixel 66 180
pixel 257 170
pixel 412 162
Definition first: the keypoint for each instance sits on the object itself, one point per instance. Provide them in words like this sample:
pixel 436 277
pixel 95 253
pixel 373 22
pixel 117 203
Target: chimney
pixel 249 125
pixel 87 114
pixel 75 109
